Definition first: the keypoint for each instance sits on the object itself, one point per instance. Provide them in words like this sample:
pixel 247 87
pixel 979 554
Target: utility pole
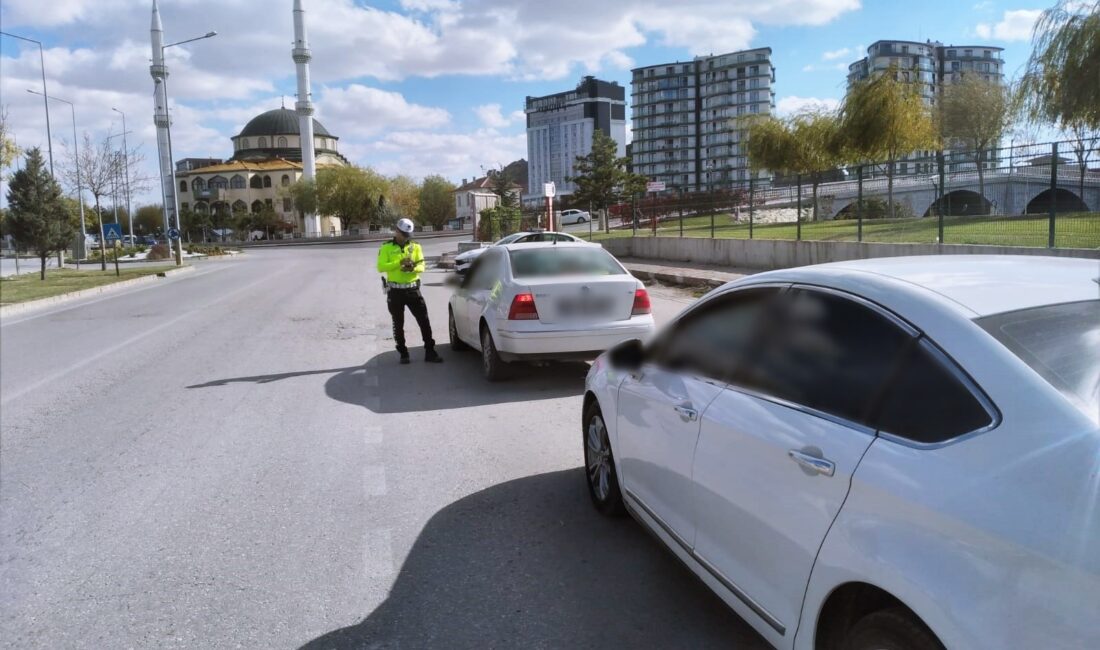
pixel 126 169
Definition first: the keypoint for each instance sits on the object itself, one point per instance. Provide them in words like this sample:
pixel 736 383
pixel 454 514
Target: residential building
pixel 267 159
pixel 473 196
pixel 685 118
pixel 560 128
pixel 931 64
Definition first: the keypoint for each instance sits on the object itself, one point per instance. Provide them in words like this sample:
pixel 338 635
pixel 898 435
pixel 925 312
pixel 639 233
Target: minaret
pixel 304 108
pixel 160 118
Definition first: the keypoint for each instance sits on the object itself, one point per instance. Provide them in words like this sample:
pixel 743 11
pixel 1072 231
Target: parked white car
pixel 896 453
pixel 569 217
pixel 523 302
pixel 463 261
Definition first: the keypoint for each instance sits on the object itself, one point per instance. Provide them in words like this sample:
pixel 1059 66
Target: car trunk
pixel 583 299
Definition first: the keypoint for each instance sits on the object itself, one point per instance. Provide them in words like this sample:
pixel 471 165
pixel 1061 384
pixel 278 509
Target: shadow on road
pixel 384 386
pixel 529 564
pixel 267 379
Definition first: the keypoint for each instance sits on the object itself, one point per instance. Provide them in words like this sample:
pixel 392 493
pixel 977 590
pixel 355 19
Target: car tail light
pixel 641 303
pixel 523 308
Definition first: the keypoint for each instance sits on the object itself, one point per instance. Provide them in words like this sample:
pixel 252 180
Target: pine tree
pixel 38 219
pixel 601 175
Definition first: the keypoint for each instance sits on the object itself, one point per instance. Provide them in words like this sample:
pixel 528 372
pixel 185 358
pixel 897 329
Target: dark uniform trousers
pixel 398 300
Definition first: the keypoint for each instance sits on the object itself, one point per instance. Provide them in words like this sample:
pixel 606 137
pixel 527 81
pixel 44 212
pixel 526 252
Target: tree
pixel 266 220
pixel 501 184
pixel 1083 141
pixel 807 143
pixel 601 175
pixel 149 219
pixel 8 150
pixel 437 203
pixel 404 196
pixel 973 115
pixel 1060 83
pixel 97 167
pixel 348 192
pixel 303 194
pixel 192 221
pixel 38 218
pixel 885 119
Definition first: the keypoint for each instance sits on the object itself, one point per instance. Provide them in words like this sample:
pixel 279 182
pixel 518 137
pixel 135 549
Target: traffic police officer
pixel 402 260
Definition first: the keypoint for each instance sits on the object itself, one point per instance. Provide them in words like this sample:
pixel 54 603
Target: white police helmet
pixel 405 225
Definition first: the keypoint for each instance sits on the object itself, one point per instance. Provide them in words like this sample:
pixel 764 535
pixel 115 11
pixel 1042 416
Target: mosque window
pixel 237 182
pixel 286 180
pixel 256 182
pixel 257 206
pixel 288 205
pixel 262 143
pixel 183 186
pixel 244 143
pixel 282 142
pixel 198 185
pixel 267 181
pixel 219 182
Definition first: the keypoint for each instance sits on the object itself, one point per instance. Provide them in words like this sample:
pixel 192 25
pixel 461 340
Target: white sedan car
pixel 896 453
pixel 523 302
pixel 569 217
pixel 463 261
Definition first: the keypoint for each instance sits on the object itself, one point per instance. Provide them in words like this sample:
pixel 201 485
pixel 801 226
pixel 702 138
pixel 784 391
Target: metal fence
pixel 1042 195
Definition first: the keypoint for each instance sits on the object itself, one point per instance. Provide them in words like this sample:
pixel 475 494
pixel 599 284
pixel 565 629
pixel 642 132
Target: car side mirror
pixel 628 355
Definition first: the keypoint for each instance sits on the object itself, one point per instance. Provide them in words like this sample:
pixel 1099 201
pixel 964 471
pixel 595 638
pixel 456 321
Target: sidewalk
pixel 684 273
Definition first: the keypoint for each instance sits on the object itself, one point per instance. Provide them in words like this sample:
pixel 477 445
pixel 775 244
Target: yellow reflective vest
pixel 389 261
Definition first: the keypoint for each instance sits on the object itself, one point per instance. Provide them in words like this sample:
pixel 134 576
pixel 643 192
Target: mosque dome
pixel 280 121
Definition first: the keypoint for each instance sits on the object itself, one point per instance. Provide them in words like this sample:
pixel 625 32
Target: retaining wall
pixel 767 254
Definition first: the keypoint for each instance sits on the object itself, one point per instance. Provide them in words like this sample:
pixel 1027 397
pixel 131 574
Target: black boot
pixel 431 356
pixel 404 358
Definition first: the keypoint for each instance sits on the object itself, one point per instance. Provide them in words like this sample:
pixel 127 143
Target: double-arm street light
pixel 178 245
pixel 76 158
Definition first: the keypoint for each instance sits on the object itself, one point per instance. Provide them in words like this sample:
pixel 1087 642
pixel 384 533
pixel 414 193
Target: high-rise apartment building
pixel 560 128
pixel 931 64
pixel 684 114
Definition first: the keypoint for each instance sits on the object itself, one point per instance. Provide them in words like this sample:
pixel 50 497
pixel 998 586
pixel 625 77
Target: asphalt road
pixel 234 458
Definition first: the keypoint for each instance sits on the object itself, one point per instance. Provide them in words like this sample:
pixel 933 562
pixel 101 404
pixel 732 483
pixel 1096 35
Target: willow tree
pixel 973 114
pixel 807 143
pixel 1061 83
pixel 883 119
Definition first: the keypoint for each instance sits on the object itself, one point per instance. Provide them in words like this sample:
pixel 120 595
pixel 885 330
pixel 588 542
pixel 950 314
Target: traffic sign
pixel 655 186
pixel 112 232
pixel 173 234
pixel 548 189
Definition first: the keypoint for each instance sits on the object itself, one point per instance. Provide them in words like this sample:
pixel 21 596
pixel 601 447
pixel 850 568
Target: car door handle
pixel 812 463
pixel 687 414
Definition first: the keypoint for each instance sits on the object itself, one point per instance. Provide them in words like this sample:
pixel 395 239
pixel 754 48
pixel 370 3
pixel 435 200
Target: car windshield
pixel 551 261
pixel 1060 342
pixel 509 239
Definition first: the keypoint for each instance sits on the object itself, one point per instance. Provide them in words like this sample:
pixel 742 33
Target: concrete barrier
pixel 767 254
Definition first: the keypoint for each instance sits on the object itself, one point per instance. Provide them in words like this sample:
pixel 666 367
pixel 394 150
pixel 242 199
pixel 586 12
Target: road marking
pixel 377 554
pixel 126 343
pixel 374 480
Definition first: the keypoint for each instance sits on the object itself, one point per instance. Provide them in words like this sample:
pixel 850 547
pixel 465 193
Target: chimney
pixel 463 181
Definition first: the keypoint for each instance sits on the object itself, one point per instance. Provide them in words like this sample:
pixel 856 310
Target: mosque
pixel 267 158
pixel 272 152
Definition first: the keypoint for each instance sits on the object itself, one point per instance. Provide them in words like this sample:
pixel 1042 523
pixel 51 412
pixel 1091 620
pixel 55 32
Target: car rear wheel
pixel 581 219
pixel 457 344
pixel 599 464
pixel 494 368
pixel 890 629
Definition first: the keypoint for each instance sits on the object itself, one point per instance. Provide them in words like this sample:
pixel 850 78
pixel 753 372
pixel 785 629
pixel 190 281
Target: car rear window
pixel 1060 342
pixel 551 261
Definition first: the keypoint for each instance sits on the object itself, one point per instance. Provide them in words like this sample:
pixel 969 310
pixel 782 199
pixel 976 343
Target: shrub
pixel 159 252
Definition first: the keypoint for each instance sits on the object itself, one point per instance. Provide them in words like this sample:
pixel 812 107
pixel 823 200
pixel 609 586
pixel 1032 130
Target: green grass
pixel 1081 230
pixel 26 287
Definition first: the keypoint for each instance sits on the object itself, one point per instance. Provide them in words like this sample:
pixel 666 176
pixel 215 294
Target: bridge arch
pixel 1064 201
pixel 960 203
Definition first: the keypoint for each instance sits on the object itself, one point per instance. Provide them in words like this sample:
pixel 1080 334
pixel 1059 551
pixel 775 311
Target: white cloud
pixel 836 54
pixel 359 110
pixel 491 116
pixel 1015 25
pixel 454 155
pixel 792 104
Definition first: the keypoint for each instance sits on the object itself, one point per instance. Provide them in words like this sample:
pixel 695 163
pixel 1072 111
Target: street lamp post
pixel 126 169
pixel 46 104
pixel 175 208
pixel 76 156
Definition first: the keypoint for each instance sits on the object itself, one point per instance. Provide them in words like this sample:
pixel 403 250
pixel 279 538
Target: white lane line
pixel 378 554
pixel 374 480
pixel 84 303
pixel 11 397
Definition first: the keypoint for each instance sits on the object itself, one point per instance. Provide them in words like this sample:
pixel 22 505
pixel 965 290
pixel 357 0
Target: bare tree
pixel 99 166
pixel 1084 142
pixel 8 151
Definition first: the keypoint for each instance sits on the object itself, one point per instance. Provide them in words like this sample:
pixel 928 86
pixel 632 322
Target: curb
pixel 678 279
pixel 30 305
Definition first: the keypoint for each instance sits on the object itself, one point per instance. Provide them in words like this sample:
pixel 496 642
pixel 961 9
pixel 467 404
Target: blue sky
pixel 434 86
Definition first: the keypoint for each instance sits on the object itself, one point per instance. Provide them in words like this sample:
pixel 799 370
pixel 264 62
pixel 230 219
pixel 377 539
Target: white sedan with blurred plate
pixel 555 301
